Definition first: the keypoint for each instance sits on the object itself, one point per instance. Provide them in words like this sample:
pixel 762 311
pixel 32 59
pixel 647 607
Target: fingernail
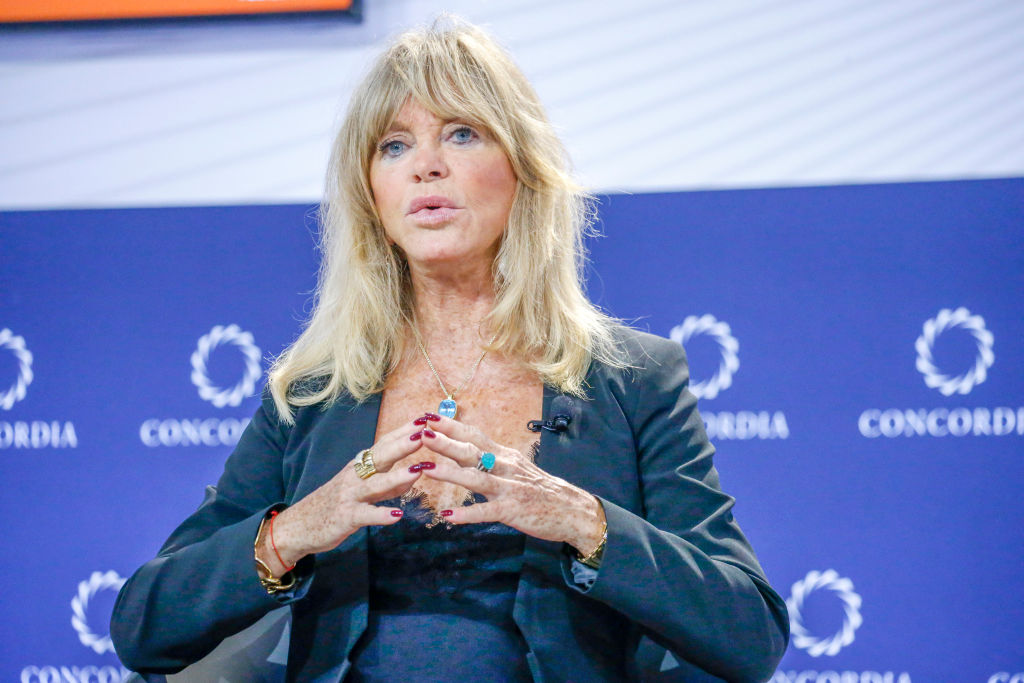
pixel 416 437
pixel 396 513
pixel 446 513
pixel 420 421
pixel 426 465
pixel 432 417
pixel 429 434
pixel 416 468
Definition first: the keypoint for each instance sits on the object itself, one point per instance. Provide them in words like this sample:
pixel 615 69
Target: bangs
pixel 451 76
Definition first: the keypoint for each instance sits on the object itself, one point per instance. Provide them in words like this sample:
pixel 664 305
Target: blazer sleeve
pixel 203 586
pixel 683 569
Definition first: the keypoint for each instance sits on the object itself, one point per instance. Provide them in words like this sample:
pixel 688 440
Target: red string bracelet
pixel 273 513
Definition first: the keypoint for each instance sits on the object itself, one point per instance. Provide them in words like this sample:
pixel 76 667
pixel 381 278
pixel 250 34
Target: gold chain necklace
pixel 448 407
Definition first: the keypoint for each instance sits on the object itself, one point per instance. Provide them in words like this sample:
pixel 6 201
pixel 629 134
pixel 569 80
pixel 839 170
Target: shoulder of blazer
pixel 645 357
pixel 307 417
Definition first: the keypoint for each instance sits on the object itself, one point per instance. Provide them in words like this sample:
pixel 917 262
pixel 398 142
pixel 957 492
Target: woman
pixel 462 470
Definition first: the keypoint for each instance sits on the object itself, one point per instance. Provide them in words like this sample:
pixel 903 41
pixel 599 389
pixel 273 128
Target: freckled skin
pixel 500 400
pixel 493 411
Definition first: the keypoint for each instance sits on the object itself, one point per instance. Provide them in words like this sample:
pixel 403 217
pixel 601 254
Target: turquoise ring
pixel 486 463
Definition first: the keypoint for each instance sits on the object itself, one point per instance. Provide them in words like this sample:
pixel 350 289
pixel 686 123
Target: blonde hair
pixel 364 297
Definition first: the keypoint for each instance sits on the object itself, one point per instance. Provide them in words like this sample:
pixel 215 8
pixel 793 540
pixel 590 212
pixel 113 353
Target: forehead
pixel 413 113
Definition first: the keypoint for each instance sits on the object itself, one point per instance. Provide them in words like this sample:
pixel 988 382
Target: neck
pixel 449 311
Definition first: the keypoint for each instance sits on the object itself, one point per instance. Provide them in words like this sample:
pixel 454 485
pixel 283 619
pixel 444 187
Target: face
pixel 443 189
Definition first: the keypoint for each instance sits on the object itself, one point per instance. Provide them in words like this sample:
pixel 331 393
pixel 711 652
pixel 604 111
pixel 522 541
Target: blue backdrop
pixel 858 351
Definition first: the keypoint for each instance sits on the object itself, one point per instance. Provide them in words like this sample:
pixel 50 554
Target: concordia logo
pixel 843 588
pixel 87 590
pixel 943 421
pixel 210 431
pixel 743 424
pixel 28 433
pixel 961 384
pixel 219 335
pixel 99 644
pixel 829 645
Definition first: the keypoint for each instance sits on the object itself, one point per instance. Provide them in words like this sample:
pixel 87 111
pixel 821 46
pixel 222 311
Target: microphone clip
pixel 557 424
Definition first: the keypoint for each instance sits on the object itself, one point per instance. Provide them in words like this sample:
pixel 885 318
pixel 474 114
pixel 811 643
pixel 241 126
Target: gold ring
pixel 364 464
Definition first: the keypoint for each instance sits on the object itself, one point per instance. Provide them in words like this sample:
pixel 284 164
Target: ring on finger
pixel 487 461
pixel 364 464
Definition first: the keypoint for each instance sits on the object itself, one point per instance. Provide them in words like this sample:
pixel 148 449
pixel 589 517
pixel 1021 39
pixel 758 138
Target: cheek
pixel 386 194
pixel 498 183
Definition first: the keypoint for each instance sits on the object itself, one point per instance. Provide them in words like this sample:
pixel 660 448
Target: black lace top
pixel 441 600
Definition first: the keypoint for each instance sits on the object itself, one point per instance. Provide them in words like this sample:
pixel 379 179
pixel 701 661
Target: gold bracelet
pixel 593 560
pixel 270 583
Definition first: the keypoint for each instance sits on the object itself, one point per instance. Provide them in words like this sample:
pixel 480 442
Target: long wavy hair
pixel 359 324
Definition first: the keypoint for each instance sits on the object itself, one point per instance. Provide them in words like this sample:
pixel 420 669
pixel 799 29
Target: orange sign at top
pixel 84 10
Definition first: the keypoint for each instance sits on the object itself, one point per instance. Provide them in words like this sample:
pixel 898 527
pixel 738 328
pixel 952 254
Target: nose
pixel 430 163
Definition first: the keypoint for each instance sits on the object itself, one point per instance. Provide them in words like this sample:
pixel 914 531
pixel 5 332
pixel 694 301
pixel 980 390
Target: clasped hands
pixel 519 493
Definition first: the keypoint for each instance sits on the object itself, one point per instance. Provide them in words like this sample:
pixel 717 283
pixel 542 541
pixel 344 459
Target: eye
pixel 463 135
pixel 391 148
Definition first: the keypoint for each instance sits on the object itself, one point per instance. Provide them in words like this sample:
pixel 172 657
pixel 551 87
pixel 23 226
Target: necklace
pixel 448 407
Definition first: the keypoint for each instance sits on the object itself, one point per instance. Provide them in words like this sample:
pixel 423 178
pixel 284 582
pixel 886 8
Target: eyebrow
pixel 400 126
pixel 395 127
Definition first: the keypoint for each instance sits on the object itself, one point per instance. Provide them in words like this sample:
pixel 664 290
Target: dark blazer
pixel 676 568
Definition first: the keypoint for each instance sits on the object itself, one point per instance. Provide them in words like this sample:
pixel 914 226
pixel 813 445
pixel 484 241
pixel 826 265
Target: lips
pixel 432 211
pixel 431 203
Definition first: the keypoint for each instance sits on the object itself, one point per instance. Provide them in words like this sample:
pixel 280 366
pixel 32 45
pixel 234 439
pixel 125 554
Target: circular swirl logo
pixel 218 336
pixel 728 346
pixel 946 320
pixel 16 345
pixel 87 590
pixel 843 588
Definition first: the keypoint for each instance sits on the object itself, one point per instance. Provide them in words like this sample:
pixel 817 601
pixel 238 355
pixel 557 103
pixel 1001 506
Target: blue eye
pixel 392 148
pixel 463 135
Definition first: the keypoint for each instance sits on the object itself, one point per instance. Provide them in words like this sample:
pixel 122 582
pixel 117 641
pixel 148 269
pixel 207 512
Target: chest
pixel 500 401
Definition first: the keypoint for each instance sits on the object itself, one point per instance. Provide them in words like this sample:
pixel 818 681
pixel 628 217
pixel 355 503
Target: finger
pixel 464 453
pixel 384 485
pixel 460 431
pixel 395 445
pixel 472 479
pixel 375 515
pixel 474 514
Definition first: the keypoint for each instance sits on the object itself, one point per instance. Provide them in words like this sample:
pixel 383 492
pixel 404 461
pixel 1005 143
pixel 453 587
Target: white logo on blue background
pixel 728 346
pixel 933 328
pixel 16 345
pixel 87 590
pixel 218 336
pixel 843 588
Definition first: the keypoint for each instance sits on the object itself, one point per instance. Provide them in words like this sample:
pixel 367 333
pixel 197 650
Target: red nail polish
pixel 396 513
pixel 432 417
pixel 429 434
pixel 420 421
pixel 416 468
pixel 416 437
pixel 446 513
pixel 427 465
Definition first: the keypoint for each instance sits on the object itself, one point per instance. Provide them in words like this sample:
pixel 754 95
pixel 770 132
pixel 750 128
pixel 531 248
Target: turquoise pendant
pixel 447 407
